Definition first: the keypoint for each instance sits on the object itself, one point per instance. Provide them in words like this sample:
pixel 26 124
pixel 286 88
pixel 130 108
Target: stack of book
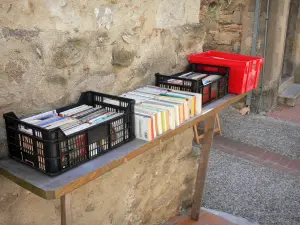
pixel 158 110
pixel 72 120
pixel 205 78
pixel 75 120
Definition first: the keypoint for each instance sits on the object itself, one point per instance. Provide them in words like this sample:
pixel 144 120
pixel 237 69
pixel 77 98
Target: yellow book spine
pixel 193 106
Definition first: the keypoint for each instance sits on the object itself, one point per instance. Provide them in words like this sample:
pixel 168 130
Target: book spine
pixel 59 123
pixel 77 129
pixel 85 112
pixel 99 118
pixel 109 117
pixel 40 116
pixel 50 122
pixel 73 110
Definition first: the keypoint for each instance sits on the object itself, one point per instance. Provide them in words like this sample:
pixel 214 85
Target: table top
pixel 55 187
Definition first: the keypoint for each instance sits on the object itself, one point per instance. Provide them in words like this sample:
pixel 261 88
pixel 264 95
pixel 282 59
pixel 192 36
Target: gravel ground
pixel 251 191
pixel 279 136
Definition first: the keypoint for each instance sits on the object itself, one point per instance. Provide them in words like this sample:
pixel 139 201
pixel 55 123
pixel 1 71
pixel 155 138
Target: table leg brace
pixel 66 211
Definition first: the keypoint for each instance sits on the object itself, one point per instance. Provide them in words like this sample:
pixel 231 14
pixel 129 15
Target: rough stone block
pixel 231 28
pixel 225 19
pixel 224 38
pixel 122 55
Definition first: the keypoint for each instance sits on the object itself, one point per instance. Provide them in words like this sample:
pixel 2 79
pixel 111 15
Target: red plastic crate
pixel 244 70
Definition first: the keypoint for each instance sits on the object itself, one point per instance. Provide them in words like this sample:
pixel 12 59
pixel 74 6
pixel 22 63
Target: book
pixel 170 108
pixel 144 127
pixel 164 114
pixel 189 98
pixel 152 90
pixel 183 108
pixel 76 129
pixel 86 112
pixel 169 113
pixel 100 117
pixel 138 99
pixel 41 116
pixel 59 123
pixel 108 116
pixel 157 116
pixel 198 99
pixel 93 115
pixel 161 121
pixel 49 122
pixel 175 107
pixel 75 110
pixel 210 79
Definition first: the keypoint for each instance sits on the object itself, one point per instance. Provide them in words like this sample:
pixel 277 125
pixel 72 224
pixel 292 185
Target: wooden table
pixel 63 185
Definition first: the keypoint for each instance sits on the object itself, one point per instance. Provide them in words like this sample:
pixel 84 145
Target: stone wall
pixel 145 191
pixel 53 50
pixel 224 23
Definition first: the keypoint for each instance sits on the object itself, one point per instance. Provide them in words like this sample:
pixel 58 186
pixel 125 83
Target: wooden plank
pixel 196 135
pixel 66 209
pixel 204 157
pixel 219 125
pixel 216 130
pixel 55 187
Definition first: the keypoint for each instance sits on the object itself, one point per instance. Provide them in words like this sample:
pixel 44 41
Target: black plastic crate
pixel 52 152
pixel 210 92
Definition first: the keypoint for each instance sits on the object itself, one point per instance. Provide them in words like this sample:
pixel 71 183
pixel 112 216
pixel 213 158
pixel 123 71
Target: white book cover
pixel 158 115
pixel 145 129
pixel 152 117
pixel 149 120
pixel 40 116
pixel 74 110
pixel 137 126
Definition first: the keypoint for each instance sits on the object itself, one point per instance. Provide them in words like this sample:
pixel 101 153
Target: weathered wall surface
pixel 224 23
pixel 276 40
pixel 53 50
pixel 296 47
pixel 291 48
pixel 146 190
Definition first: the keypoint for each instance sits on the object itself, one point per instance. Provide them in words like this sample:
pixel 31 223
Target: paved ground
pixel 254 174
pixel 279 136
pixel 250 188
pixel 286 113
pixel 208 217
